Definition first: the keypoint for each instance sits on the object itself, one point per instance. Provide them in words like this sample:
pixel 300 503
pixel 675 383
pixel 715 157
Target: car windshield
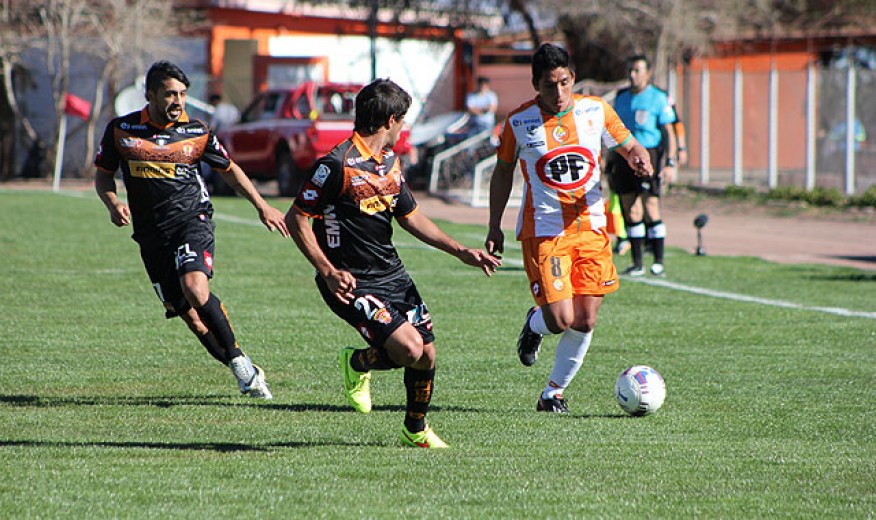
pixel 336 103
pixel 264 107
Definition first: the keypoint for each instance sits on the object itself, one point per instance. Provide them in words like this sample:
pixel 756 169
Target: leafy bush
pixel 864 200
pixel 740 192
pixel 825 197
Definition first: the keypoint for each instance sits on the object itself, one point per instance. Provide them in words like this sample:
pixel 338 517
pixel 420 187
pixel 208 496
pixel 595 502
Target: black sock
pixel 657 243
pixel 636 250
pixel 215 317
pixel 636 243
pixel 418 384
pixel 372 358
pixel 213 347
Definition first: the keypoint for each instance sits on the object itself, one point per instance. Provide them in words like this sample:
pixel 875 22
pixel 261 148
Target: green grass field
pixel 108 410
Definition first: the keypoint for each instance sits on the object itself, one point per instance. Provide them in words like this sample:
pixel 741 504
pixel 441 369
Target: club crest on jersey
pixel 566 167
pixel 382 316
pixel 560 133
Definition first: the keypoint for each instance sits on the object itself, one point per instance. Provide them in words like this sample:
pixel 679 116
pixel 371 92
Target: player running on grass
pixel 353 194
pixel 159 150
pixel 557 137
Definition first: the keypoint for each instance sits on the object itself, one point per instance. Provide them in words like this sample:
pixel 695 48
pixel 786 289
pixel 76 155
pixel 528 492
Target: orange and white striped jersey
pixel 559 156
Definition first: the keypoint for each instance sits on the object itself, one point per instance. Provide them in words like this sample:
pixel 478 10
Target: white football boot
pixel 250 378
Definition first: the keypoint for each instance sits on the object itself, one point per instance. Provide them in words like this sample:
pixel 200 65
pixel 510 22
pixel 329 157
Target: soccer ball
pixel 640 390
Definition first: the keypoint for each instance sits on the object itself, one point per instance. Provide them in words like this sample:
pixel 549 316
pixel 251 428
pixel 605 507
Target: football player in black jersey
pixel 159 150
pixel 352 195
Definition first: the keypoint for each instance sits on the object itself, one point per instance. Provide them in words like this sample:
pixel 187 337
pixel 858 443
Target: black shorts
pixel 380 307
pixel 167 255
pixel 623 180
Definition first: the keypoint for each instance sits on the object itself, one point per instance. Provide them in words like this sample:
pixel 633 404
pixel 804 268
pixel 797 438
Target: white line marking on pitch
pixel 753 299
pixel 656 283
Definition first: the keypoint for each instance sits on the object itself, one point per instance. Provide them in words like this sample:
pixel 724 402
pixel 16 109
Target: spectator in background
pixel 481 106
pixel 224 114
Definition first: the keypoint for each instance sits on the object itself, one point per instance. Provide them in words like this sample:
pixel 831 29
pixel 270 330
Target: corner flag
pixel 76 106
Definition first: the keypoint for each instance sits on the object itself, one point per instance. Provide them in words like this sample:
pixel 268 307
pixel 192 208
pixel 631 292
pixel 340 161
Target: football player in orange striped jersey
pixel 557 140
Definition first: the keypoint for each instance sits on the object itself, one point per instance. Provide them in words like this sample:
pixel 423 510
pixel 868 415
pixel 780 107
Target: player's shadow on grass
pixel 219 447
pixel 850 277
pixel 619 415
pixel 34 401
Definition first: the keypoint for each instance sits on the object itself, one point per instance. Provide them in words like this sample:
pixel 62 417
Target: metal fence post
pixel 811 129
pixel 704 125
pixel 850 121
pixel 773 146
pixel 737 124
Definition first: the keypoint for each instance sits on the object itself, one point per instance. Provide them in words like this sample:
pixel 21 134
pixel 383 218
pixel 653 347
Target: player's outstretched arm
pixel 270 216
pixel 637 157
pixel 500 190
pixel 105 186
pixel 426 231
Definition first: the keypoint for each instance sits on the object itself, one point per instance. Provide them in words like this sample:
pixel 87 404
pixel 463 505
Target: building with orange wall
pixel 762 112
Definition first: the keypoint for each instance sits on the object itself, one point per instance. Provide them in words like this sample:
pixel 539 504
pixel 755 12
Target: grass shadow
pixel 219 447
pixel 34 401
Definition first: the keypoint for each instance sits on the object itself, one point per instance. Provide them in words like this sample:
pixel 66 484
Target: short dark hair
pixel 549 57
pixel 162 70
pixel 483 80
pixel 377 102
pixel 638 57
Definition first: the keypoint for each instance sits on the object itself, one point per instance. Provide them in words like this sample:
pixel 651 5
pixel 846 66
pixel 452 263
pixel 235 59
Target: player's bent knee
pixel 407 354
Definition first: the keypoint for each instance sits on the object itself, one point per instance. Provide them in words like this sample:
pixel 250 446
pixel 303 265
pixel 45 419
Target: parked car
pixel 284 130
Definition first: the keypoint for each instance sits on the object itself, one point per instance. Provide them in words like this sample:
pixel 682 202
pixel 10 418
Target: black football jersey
pixel 161 167
pixel 353 196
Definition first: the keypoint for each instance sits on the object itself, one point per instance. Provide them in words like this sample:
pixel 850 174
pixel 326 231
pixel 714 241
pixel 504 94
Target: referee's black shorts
pixel 623 180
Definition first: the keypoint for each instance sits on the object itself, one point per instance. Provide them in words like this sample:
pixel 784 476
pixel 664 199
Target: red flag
pixel 76 106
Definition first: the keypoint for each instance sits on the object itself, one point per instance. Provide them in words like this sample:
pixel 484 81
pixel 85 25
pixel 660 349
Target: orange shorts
pixel 560 267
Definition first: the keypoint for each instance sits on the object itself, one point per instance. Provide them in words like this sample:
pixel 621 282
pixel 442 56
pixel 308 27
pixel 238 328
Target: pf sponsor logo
pixel 566 168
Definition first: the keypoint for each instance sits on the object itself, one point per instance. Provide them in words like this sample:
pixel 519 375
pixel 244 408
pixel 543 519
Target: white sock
pixel 537 324
pixel 571 350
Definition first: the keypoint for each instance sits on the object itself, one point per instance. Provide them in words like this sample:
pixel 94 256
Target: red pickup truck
pixel 283 131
